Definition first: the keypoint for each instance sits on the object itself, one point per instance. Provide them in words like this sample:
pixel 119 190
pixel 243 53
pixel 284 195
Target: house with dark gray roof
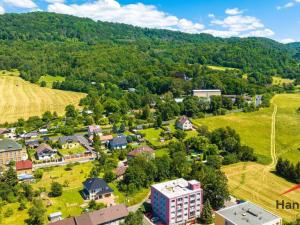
pixel 96 188
pixel 45 152
pixel 32 143
pixel 11 150
pixel 119 142
pixel 73 141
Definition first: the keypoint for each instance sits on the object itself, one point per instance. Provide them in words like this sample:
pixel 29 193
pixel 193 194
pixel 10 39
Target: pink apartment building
pixel 177 201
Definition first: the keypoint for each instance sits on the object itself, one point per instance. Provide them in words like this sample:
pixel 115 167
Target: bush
pixel 56 189
pixel 43 84
pixel 230 159
pixel 38 174
pixel 9 212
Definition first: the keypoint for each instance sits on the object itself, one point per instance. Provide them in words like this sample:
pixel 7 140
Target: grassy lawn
pixel 74 178
pixel 153 136
pixel 69 203
pixel 131 199
pixel 281 81
pixel 18 217
pixel 71 151
pixel 221 68
pixel 161 152
pixel 263 189
pixel 254 129
pixel 287 126
pixel 22 99
pixel 51 79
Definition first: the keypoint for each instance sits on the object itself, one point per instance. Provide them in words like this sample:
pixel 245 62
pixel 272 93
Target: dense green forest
pixel 106 59
pixel 295 47
pixel 81 49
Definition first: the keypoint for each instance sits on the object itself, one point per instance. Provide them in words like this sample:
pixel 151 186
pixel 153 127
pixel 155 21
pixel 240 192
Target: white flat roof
pixel 247 213
pixel 174 188
pixel 207 90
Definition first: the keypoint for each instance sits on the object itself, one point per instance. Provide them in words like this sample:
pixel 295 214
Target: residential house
pixel 244 214
pixel 177 201
pixel 45 152
pixel 24 167
pixel 29 135
pixel 120 171
pixel 94 130
pixel 184 123
pixel 206 93
pixel 74 141
pixel 3 131
pixel 43 131
pixel 144 150
pixel 10 133
pixel 119 142
pixel 106 138
pixel 96 188
pixel 11 150
pixel 32 143
pixel 113 215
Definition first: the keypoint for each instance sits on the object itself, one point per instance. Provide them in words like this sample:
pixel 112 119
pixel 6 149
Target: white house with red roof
pixel 184 123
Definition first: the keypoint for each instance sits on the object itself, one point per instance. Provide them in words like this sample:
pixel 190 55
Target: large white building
pixel 207 93
pixel 246 213
pixel 177 201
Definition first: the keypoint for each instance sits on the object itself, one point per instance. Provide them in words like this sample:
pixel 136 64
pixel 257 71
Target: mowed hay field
pixel 287 126
pixel 254 129
pixel 21 99
pixel 252 182
pixel 257 182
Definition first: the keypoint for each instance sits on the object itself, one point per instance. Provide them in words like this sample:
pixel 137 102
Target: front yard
pixel 72 151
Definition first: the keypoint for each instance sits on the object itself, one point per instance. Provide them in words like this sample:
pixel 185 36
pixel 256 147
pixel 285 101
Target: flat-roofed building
pixel 246 213
pixel 206 93
pixel 11 151
pixel 177 201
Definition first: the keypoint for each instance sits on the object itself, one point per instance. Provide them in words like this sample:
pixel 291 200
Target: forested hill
pixel 296 48
pixel 84 50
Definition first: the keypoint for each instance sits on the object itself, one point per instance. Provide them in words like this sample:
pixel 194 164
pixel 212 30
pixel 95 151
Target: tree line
pixel 288 170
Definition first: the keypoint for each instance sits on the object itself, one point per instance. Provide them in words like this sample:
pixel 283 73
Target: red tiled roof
pixel 106 138
pixel 23 165
pixel 68 221
pixel 144 149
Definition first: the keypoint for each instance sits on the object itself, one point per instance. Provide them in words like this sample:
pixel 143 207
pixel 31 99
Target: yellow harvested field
pixel 255 183
pixel 22 99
